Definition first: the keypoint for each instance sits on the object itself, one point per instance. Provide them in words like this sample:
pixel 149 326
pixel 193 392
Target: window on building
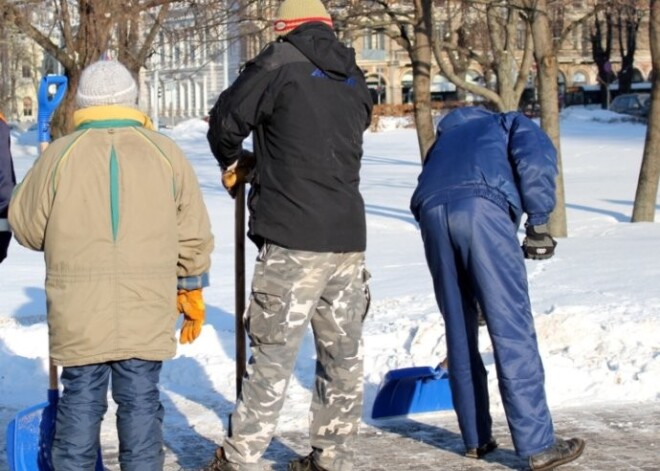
pixel 586 42
pixel 27 71
pixel 374 40
pixel 575 37
pixel 579 78
pixel 442 29
pixel 177 55
pixel 521 31
pixel 27 106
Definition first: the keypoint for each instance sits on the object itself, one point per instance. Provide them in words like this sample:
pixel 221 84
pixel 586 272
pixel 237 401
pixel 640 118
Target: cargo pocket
pixel 266 316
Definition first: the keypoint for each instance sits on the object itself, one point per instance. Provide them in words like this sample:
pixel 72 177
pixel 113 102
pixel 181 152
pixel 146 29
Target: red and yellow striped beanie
pixel 293 13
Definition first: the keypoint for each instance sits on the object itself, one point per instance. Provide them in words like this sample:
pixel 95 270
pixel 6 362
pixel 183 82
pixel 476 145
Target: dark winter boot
pixel 562 452
pixel 304 464
pixel 219 462
pixel 482 450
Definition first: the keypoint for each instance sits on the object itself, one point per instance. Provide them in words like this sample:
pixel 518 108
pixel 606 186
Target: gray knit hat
pixel 106 83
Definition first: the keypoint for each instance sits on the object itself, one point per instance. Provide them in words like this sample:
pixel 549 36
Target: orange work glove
pixel 191 304
pixel 240 172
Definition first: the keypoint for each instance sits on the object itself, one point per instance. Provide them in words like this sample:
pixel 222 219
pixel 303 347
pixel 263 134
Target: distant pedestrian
pixel 7 183
pixel 307 105
pixel 118 212
pixel 483 171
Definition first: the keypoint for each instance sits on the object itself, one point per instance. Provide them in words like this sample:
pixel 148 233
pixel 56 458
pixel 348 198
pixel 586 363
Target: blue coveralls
pixel 484 170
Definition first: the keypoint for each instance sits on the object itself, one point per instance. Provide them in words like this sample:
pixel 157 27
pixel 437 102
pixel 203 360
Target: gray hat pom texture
pixel 106 83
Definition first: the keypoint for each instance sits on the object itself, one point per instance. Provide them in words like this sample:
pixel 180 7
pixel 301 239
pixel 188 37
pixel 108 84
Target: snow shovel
pixel 412 390
pixel 30 434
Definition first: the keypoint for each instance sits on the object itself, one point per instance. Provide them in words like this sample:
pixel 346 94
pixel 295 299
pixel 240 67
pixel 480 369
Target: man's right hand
pixel 238 173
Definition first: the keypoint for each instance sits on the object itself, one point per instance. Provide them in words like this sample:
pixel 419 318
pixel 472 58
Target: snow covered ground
pixel 596 303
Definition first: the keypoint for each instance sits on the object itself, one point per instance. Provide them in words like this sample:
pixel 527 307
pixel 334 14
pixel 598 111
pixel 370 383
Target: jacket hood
pixel 460 116
pixel 319 44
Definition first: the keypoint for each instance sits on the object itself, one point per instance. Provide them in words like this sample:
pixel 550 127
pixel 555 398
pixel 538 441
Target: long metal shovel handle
pixel 239 278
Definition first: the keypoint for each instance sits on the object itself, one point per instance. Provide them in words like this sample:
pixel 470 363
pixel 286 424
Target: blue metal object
pixel 30 437
pixel 51 91
pixel 23 438
pixel 412 390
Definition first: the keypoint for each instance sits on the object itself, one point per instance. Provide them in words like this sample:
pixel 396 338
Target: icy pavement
pixel 619 437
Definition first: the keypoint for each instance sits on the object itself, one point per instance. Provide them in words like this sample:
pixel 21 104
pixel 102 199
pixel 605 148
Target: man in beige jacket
pixel 118 212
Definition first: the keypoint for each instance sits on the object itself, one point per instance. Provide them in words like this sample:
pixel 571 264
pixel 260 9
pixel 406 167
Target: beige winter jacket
pixel 118 212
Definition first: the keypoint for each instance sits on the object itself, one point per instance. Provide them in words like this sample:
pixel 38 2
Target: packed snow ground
pixel 596 303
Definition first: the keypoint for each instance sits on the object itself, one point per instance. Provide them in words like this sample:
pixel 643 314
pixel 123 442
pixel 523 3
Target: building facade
pixel 192 64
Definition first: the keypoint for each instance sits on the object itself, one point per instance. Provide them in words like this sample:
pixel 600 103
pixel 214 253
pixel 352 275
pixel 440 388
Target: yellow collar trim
pixel 110 112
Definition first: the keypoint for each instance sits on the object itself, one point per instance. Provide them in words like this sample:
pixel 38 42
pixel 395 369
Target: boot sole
pixel 568 459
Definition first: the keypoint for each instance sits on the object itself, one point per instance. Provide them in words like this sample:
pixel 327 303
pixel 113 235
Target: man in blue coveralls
pixel 483 171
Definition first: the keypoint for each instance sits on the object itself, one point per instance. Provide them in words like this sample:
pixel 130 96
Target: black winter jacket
pixel 7 182
pixel 308 105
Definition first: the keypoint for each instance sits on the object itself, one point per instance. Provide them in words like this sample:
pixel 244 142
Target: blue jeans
pixel 84 403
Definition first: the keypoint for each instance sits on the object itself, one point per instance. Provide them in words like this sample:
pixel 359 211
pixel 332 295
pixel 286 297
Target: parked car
pixel 634 104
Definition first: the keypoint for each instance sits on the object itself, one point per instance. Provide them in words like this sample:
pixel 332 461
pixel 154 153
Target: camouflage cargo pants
pixel 290 289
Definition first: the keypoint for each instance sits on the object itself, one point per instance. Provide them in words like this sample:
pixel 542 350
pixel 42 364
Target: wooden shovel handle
pixel 239 278
pixel 53 378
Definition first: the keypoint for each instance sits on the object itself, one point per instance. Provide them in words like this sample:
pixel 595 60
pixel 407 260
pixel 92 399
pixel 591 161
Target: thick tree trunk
pixel 62 120
pixel 422 55
pixel 546 63
pixel 647 186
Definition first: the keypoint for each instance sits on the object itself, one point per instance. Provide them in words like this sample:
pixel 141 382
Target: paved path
pixel 620 437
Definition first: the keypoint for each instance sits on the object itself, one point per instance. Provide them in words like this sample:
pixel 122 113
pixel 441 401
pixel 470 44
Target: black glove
pixel 538 244
pixel 5 237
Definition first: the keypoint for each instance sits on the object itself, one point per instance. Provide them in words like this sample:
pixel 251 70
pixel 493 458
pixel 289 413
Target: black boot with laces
pixel 306 463
pixel 562 452
pixel 219 462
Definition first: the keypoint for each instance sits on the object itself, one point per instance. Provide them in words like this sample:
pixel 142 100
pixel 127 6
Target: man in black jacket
pixel 7 183
pixel 307 105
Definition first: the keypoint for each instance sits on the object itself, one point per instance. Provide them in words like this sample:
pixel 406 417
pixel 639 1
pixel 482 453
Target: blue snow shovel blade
pixel 412 390
pixel 30 437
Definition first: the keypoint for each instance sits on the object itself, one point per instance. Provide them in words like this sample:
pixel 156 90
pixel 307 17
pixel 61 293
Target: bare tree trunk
pixel 647 185
pixel 628 21
pixel 422 55
pixel 601 55
pixel 546 62
pixel 62 120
